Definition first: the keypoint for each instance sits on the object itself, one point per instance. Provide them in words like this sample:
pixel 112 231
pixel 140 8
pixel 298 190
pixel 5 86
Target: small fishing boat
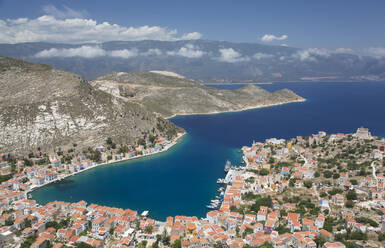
pixel 221 181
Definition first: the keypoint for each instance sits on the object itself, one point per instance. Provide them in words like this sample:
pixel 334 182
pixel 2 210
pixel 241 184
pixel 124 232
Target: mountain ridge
pixel 203 60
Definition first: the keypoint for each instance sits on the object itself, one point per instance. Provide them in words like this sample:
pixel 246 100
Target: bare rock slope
pixel 168 95
pixel 47 108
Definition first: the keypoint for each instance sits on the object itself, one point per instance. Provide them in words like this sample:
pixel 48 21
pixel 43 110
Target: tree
pixel 248 230
pixel 353 181
pixel 281 229
pixel 327 174
pixel 263 201
pixel 266 245
pixel 96 156
pixel 28 162
pixel 141 142
pixel 28 242
pixel 358 236
pixel 177 244
pixel 291 182
pixel 83 245
pixel 329 224
pixel 143 244
pixel 308 184
pixel 9 222
pixel 349 204
pixel 351 195
pixel 148 229
pixel 336 176
pixel 335 191
pixel 369 221
pixel 264 172
pixel 109 141
pixel 381 237
pixel 28 223
pixel 155 244
pixel 271 160
pixel 320 241
pixel 166 240
pixel 152 139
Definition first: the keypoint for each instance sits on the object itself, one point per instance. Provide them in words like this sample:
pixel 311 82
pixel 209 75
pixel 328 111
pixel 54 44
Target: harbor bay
pixel 182 181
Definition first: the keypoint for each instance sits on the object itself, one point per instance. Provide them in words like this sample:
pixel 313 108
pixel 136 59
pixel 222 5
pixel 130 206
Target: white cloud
pixel 231 56
pixel 86 52
pixel 376 52
pixel 48 28
pixel 271 37
pixel 83 51
pixel 191 36
pixel 284 45
pixel 125 53
pixel 66 12
pixel 152 51
pixel 262 56
pixel 311 54
pixel 189 51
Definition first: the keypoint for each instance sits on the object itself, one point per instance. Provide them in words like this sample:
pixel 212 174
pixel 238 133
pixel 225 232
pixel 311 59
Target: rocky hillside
pixel 47 108
pixel 168 95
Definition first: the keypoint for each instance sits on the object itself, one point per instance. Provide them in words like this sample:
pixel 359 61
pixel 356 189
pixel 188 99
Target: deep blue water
pixel 183 180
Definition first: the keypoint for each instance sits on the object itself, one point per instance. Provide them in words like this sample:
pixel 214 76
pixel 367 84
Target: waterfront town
pixel 325 190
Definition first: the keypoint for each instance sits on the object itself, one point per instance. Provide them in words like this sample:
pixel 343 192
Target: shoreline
pixel 238 110
pixel 173 143
pixel 166 148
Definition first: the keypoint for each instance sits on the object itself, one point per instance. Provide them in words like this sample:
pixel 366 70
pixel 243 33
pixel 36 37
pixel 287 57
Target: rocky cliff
pixel 47 108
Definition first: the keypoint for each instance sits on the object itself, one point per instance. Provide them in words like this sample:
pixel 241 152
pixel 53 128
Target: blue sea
pixel 183 180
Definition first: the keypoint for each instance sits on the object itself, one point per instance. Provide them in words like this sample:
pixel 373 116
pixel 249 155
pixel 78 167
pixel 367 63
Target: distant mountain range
pixel 202 60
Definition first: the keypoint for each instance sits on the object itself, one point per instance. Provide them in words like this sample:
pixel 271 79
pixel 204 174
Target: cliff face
pixel 47 108
pixel 170 96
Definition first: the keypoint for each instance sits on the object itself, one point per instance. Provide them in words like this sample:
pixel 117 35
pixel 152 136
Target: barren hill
pixel 168 95
pixel 47 108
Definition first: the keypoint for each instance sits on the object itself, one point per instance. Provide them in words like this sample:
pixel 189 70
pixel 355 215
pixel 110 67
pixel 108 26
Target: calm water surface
pixel 183 180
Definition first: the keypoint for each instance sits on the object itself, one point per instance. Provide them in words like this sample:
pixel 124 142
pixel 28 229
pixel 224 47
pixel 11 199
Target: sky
pixel 348 25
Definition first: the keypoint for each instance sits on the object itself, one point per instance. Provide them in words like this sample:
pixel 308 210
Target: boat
pixel 221 181
pixel 211 207
pixel 227 166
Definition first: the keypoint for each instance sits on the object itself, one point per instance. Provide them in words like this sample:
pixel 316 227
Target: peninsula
pixel 170 94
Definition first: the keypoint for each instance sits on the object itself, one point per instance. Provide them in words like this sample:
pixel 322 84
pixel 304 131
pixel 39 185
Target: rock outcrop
pixel 47 108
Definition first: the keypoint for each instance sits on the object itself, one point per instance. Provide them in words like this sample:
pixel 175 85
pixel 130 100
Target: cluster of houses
pixel 59 223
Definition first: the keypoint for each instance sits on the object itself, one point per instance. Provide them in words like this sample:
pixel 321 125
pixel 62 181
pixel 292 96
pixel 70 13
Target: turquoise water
pixel 183 180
